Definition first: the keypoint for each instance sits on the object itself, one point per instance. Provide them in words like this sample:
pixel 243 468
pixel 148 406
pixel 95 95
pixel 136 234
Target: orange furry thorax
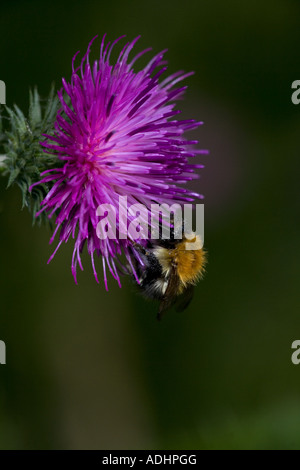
pixel 189 263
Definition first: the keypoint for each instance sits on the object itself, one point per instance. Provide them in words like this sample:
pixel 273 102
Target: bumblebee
pixel 171 269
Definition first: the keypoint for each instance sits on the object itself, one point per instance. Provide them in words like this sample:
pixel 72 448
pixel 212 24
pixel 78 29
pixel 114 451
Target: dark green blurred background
pixel 91 369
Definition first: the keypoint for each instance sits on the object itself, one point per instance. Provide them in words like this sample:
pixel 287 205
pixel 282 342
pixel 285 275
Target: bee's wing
pixel 184 299
pixel 170 295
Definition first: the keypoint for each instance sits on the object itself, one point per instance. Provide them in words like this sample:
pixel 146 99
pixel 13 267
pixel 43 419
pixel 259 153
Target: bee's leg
pixel 139 258
pixel 140 248
pixel 161 312
pixel 159 315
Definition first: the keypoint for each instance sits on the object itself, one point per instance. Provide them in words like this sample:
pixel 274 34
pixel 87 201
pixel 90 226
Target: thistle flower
pixel 114 136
